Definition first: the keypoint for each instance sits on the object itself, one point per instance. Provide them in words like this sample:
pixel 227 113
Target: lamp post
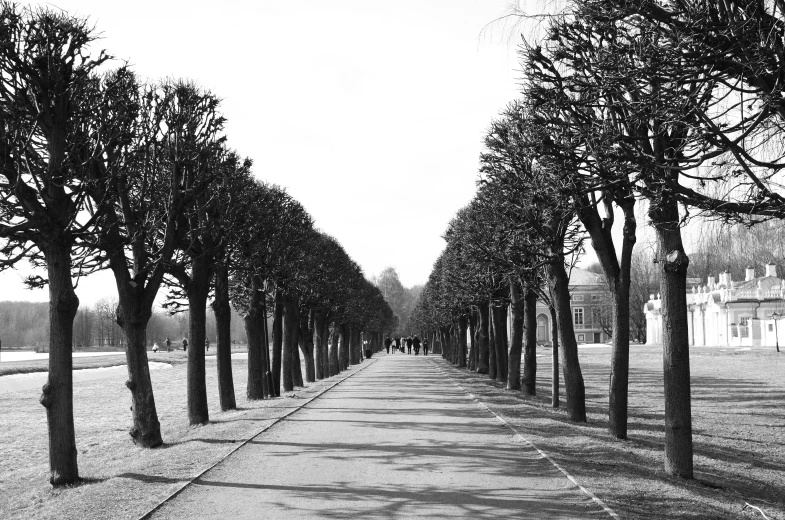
pixel 776 315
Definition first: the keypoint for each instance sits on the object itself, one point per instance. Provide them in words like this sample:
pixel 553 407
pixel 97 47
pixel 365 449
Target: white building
pixel 729 313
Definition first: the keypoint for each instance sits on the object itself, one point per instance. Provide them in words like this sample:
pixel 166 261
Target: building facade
pixel 588 301
pixel 727 313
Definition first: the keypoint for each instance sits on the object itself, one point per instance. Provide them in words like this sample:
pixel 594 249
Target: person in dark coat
pixel 185 344
pixel 416 342
pixel 409 342
pixel 425 346
pixel 387 343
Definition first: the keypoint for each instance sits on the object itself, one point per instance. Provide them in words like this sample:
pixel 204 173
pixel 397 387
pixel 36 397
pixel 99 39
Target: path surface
pixel 397 440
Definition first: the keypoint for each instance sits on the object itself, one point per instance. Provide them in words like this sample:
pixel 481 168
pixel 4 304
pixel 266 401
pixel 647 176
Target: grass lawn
pixel 121 480
pixel 738 412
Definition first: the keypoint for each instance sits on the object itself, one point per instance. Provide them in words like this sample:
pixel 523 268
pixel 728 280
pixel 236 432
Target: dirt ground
pixel 121 480
pixel 738 411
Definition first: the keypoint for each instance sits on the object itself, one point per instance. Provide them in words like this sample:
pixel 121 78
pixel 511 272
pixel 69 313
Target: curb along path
pixel 398 440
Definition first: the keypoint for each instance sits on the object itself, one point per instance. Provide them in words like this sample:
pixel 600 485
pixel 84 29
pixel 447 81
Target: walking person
pixel 168 344
pixel 207 344
pixel 416 342
pixel 185 344
pixel 387 343
pixel 394 345
pixel 425 347
pixel 409 342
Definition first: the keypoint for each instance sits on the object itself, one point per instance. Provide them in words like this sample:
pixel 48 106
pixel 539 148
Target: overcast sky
pixel 370 113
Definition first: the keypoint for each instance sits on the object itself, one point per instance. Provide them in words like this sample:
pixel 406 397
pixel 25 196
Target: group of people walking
pixel 405 345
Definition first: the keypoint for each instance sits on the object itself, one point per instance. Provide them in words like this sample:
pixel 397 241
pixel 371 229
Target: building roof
pixel 583 277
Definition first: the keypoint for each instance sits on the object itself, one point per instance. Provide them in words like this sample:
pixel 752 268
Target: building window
pixel 577 297
pixel 577 314
pixel 595 297
pixel 581 337
pixel 744 322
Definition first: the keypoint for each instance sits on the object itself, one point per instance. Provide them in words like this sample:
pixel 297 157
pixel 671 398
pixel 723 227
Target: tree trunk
pixel 133 314
pixel 268 386
pixel 499 314
pixel 462 348
pixel 307 346
pixel 573 378
pixel 320 344
pixel 198 290
pixel 335 367
pixel 254 332
pixel 472 366
pixel 353 346
pixel 516 341
pixel 343 348
pixel 291 328
pixel 58 392
pixel 223 324
pixel 277 342
pixel 325 335
pixel 675 341
pixel 554 358
pixel 482 353
pixel 492 367
pixel 530 343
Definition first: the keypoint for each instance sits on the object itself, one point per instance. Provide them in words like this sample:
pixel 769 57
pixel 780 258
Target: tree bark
pixel 482 351
pixel 291 328
pixel 307 345
pixel 198 290
pixel 554 358
pixel 573 378
pixel 223 324
pixel 268 386
pixel 254 330
pixel 472 365
pixel 320 344
pixel 58 392
pixel 462 350
pixel 675 341
pixel 492 366
pixel 499 314
pixel 516 341
pixel 353 346
pixel 343 348
pixel 335 367
pixel 277 342
pixel 530 343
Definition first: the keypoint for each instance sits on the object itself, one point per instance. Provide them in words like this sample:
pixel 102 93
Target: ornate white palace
pixel 728 313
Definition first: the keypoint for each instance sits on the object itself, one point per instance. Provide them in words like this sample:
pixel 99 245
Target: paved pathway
pixel 397 440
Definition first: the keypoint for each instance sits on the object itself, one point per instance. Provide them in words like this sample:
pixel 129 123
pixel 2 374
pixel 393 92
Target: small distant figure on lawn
pixel 207 344
pixel 416 342
pixel 387 343
pixel 155 347
pixel 185 344
pixel 409 342
pixel 168 345
pixel 425 347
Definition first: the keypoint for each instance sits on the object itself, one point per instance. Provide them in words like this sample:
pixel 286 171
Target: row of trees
pixel 676 103
pixel 100 170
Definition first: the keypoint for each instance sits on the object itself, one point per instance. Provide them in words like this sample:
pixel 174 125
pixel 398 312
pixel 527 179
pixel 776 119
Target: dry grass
pixel 121 480
pixel 738 410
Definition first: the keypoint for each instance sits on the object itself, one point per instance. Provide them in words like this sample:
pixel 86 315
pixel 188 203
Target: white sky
pixel 370 113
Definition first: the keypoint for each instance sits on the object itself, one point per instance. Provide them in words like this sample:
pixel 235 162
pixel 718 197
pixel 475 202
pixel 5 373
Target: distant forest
pixel 26 325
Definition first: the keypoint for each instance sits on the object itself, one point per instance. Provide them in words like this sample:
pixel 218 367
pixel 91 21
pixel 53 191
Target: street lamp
pixel 776 315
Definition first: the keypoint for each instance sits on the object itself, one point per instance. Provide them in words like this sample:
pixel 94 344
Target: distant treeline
pixel 26 325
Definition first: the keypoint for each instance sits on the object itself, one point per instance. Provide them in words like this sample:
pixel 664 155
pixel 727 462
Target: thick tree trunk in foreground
pixel 530 343
pixel 268 386
pixel 277 342
pixel 307 346
pixel 484 340
pixel 573 378
pixel 354 347
pixel 254 331
pixel 198 290
pixel 554 358
pixel 335 367
pixel 223 323
pixel 516 341
pixel 675 341
pixel 499 314
pixel 343 347
pixel 463 324
pixel 58 392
